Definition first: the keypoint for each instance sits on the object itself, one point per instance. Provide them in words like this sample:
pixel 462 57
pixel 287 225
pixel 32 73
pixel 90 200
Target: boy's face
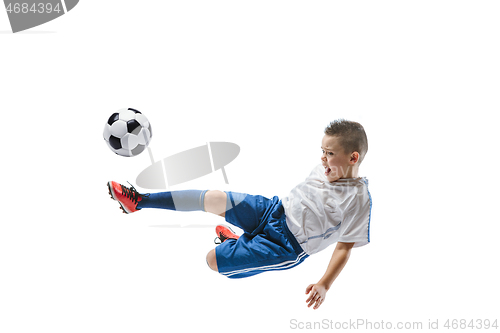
pixel 337 163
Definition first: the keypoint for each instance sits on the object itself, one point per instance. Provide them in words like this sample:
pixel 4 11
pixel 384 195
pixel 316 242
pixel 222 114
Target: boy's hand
pixel 317 295
pixel 337 262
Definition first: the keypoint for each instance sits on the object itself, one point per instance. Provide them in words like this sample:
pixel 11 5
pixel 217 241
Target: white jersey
pixel 320 213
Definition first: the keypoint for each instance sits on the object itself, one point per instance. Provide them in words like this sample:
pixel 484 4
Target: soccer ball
pixel 127 132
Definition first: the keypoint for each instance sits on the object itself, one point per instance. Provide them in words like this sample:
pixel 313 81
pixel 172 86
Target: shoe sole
pixel 113 196
pixel 226 226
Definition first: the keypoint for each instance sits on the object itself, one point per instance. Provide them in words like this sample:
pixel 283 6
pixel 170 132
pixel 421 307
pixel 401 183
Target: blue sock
pixel 188 200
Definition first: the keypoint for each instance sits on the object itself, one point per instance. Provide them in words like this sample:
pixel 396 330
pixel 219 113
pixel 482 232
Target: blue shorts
pixel 266 244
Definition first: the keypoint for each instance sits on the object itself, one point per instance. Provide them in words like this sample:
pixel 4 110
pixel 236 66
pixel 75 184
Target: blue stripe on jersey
pixel 327 234
pixel 370 216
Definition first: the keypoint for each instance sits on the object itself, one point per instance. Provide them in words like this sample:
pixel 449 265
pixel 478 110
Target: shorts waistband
pixel 295 244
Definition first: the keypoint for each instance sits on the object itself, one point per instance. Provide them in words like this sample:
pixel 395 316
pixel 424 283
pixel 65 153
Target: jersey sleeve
pixel 356 223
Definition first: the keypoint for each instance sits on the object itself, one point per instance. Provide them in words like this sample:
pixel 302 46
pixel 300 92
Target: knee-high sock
pixel 188 200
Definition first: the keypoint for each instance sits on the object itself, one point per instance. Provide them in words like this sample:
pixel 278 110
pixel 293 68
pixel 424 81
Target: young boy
pixel 333 205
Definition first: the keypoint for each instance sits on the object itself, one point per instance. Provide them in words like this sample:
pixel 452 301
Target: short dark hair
pixel 352 136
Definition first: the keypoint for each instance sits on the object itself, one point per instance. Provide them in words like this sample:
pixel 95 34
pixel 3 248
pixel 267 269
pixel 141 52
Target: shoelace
pixel 220 239
pixel 132 193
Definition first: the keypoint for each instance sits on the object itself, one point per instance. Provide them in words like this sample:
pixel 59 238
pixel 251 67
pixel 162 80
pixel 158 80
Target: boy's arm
pixel 337 262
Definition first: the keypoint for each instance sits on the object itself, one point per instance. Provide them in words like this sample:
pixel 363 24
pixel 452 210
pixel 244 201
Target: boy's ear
pixel 354 157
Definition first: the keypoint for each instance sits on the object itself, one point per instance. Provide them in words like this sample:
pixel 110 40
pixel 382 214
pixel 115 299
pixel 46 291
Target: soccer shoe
pixel 126 197
pixel 224 233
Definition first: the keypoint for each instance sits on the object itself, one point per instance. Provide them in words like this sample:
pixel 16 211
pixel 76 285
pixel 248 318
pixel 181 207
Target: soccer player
pixel 332 205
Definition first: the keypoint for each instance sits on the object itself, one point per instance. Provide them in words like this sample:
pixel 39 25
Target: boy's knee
pixel 215 202
pixel 212 260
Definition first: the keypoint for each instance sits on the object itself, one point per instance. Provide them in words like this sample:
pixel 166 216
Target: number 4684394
pixel 36 8
pixel 471 324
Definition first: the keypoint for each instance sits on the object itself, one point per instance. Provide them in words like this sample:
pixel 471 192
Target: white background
pixel 422 77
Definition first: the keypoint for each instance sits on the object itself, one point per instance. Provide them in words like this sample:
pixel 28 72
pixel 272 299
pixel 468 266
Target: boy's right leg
pixel 215 202
pixel 188 200
pixel 131 201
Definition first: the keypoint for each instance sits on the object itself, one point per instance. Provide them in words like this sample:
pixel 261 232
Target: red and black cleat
pixel 224 233
pixel 128 198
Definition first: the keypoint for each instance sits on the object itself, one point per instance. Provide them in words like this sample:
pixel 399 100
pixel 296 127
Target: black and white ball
pixel 127 132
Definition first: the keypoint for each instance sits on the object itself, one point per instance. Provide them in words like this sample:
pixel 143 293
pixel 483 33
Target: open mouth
pixel 327 170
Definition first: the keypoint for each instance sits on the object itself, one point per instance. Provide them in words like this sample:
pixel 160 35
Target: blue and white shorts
pixel 266 244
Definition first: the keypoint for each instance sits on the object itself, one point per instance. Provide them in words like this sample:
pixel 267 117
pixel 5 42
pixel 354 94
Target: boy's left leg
pixel 266 244
pixel 212 260
pixel 224 234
